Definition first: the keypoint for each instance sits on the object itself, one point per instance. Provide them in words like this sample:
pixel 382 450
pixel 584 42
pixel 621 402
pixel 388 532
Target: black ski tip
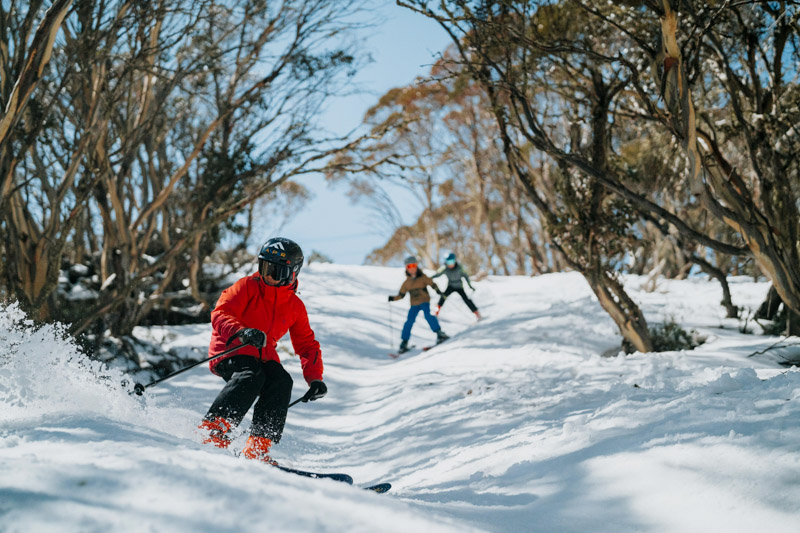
pixel 344 478
pixel 341 477
pixel 380 488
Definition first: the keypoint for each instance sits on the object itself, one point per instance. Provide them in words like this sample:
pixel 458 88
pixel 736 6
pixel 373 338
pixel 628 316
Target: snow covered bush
pixel 671 337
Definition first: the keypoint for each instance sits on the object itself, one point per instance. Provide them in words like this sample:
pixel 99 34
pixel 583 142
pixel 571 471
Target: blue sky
pixel 403 46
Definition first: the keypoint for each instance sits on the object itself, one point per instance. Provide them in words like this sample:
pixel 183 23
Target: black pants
pixel 247 379
pixel 450 290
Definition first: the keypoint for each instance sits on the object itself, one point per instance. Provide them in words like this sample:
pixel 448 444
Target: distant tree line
pixel 138 136
pixel 643 136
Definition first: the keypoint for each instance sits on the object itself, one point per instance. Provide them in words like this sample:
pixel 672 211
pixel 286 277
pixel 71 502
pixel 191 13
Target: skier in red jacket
pixel 255 312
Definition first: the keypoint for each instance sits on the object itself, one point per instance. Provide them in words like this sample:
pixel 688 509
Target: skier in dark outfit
pixel 416 284
pixel 255 312
pixel 454 273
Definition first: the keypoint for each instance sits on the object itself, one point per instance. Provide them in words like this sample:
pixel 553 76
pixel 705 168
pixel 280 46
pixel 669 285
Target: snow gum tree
pixel 728 80
pixel 712 76
pixel 153 130
pixel 530 93
pixel 25 51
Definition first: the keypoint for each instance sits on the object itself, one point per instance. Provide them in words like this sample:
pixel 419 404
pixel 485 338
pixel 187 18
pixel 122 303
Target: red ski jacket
pixel 251 303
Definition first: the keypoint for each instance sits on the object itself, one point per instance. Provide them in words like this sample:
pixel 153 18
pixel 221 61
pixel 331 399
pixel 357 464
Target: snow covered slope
pixel 515 424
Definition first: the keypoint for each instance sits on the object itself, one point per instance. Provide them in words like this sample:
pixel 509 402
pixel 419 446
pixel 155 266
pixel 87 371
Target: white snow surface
pixel 515 424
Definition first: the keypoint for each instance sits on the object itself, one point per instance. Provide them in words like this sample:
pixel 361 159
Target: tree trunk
pixel 719 275
pixel 622 309
pixel 769 308
pixel 30 275
pixel 39 52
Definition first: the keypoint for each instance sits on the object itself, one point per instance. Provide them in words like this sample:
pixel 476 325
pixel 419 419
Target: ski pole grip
pixel 138 389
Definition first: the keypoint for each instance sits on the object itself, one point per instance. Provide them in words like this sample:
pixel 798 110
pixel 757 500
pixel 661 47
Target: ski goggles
pixel 450 262
pixel 411 265
pixel 276 271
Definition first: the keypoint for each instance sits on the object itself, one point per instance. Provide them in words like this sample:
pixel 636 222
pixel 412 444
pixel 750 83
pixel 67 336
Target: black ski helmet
pixel 281 259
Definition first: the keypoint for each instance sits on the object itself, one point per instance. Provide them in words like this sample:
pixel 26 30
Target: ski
pixel 395 355
pixel 344 478
pixel 426 348
pixel 380 488
pixel 336 476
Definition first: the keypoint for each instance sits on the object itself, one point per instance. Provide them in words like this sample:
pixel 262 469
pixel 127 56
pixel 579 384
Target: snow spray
pixel 43 372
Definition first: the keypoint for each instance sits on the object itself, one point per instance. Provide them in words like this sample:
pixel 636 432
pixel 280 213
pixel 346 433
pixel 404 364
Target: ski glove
pixel 391 297
pixel 316 390
pixel 251 336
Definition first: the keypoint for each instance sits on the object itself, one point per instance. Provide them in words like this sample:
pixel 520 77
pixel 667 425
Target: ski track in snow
pixel 515 424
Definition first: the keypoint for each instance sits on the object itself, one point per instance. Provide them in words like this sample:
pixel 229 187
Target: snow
pixel 515 424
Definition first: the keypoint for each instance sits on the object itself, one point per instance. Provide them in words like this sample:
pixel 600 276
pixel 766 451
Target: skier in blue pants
pixel 416 284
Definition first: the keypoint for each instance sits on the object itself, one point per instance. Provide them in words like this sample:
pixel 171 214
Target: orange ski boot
pixel 216 432
pixel 258 448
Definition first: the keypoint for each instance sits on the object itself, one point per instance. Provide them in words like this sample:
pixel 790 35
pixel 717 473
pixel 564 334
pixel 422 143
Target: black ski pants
pixel 450 290
pixel 247 378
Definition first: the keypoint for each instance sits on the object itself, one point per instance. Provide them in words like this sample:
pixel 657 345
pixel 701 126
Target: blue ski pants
pixel 413 311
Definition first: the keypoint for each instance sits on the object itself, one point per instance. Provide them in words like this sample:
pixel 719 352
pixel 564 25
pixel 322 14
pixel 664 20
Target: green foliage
pixel 776 326
pixel 670 337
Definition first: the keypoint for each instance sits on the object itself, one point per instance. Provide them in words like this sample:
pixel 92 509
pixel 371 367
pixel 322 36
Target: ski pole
pixel 139 388
pixel 391 327
pixel 296 401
